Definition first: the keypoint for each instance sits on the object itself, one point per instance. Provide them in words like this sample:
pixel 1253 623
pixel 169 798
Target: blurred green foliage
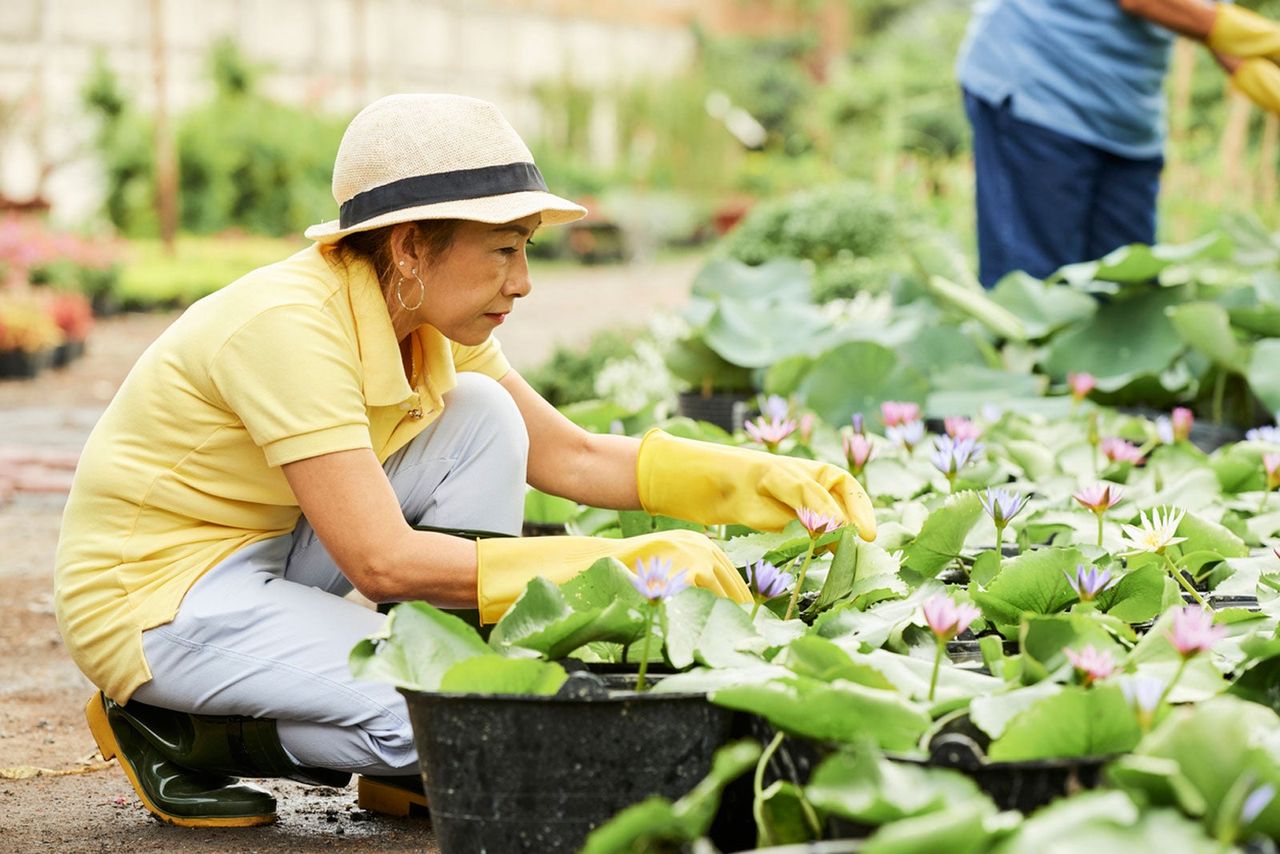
pixel 569 374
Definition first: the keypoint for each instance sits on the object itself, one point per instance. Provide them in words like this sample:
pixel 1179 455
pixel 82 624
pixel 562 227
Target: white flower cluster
pixel 638 381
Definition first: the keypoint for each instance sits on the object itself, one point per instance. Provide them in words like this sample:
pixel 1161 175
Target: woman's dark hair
pixel 374 246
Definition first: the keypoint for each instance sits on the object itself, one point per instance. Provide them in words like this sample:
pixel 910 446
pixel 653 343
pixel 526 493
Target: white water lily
pixel 1154 534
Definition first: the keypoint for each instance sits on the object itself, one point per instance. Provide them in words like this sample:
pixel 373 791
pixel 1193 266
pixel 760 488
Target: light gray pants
pixel 267 632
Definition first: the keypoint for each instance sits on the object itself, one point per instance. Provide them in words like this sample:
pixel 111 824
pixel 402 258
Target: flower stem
pixel 1099 529
pixel 644 650
pixel 795 593
pixel 1219 391
pixel 757 804
pixel 937 665
pixel 1000 539
pixel 1265 495
pixel 1186 585
pixel 755 608
pixel 1168 689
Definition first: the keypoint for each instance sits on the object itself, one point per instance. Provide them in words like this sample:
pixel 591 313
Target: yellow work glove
pixel 506 564
pixel 1259 79
pixel 1240 32
pixel 716 484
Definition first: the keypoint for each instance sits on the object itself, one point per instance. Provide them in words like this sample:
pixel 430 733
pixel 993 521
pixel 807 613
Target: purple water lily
pixel 1002 505
pixel 655 582
pixel 776 408
pixel 1144 695
pixel 950 455
pixel 1088 584
pixel 1268 434
pixel 768 581
pixel 908 435
pixel 859 423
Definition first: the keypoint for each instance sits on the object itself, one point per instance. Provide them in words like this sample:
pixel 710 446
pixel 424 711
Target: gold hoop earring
pixel 422 293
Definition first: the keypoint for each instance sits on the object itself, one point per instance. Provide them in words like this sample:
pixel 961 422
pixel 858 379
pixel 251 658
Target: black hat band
pixel 454 186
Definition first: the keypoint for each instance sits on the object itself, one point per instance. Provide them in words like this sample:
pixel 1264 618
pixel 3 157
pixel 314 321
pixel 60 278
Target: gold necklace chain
pixel 416 412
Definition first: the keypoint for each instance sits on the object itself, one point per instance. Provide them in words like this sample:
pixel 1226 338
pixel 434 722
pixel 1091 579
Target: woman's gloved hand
pixel 716 484
pixel 1259 79
pixel 1240 32
pixel 506 564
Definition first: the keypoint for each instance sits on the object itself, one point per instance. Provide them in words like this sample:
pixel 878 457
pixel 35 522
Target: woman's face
pixel 474 285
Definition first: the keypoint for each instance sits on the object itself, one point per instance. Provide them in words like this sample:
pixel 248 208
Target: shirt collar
pixel 384 379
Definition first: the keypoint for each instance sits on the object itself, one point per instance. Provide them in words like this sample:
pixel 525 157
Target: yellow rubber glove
pixel 506 564
pixel 1240 32
pixel 1259 79
pixel 716 484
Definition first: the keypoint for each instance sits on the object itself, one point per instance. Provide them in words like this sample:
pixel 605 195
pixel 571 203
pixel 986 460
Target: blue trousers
pixel 1045 200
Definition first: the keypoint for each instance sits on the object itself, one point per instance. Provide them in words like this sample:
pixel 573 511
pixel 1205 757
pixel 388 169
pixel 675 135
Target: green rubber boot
pixel 174 794
pixel 233 745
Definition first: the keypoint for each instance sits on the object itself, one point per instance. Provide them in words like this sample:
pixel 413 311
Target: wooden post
pixel 1267 154
pixel 166 155
pixel 1234 186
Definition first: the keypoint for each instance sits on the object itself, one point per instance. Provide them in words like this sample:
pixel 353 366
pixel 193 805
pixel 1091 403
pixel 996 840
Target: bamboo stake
pixel 1231 152
pixel 1267 154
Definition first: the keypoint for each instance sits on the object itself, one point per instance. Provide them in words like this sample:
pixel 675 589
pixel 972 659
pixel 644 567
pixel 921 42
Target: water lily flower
pixel 859 425
pixel 655 581
pixel 1270 435
pixel 895 412
pixel 991 412
pixel 1144 694
pixel 961 428
pixel 857 451
pixel 947 618
pixel 1100 497
pixel 1081 384
pixel 1182 420
pixel 769 432
pixel 1257 801
pixel 1154 534
pixel 1093 665
pixel 1119 451
pixel 816 523
pixel 806 427
pixel 1271 465
pixel 1194 632
pixel 1002 505
pixel 776 408
pixel 951 455
pixel 1088 584
pixel 907 435
pixel 617 428
pixel 1164 430
pixel 769 581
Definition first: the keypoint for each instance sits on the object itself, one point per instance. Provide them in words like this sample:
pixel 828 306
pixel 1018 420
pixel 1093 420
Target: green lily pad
pixel 416 646
pixel 1077 722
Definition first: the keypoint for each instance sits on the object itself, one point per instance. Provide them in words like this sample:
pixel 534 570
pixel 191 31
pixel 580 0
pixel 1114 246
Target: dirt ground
pixel 56 793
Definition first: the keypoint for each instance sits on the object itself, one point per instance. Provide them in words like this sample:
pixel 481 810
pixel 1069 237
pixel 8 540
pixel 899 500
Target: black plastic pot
pixel 542 529
pixel 538 774
pixel 1221 603
pixel 726 410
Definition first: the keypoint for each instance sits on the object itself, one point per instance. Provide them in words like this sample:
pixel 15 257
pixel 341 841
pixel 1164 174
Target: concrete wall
pixel 331 55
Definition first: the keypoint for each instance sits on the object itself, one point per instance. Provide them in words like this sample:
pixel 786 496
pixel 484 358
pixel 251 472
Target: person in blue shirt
pixel 1066 102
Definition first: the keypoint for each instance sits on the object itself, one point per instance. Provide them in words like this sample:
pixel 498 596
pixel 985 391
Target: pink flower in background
pixel 895 412
pixel 776 408
pixel 1194 632
pixel 816 523
pixel 769 433
pixel 959 428
pixel 1119 451
pixel 946 618
pixel 1271 464
pixel 1093 665
pixel 1182 420
pixel 857 451
pixel 1100 497
pixel 806 427
pixel 1081 384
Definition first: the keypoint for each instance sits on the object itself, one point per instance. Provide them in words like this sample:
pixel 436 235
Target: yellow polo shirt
pixel 294 360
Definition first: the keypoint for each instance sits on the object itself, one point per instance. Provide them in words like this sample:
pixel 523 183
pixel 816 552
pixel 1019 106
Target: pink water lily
pixel 857 451
pixel 806 427
pixel 1194 632
pixel 1100 497
pixel 1119 451
pixel 1182 420
pixel 896 412
pixel 816 523
pixel 1094 665
pixel 946 618
pixel 1081 384
pixel 769 433
pixel 1271 465
pixel 961 428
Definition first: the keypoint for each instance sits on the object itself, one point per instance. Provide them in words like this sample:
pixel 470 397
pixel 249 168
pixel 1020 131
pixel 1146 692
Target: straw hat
pixel 411 157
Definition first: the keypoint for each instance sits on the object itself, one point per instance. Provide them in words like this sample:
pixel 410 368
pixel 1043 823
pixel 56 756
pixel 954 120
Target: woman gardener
pixel 279 443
